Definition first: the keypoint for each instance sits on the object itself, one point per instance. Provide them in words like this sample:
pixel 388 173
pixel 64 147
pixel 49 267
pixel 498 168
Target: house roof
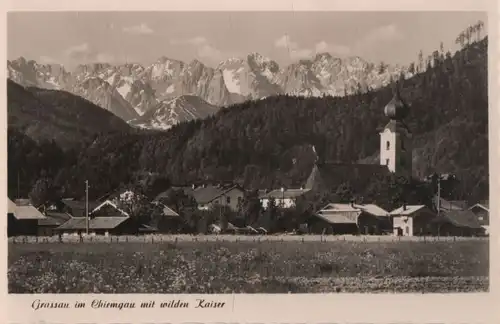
pixel 147 228
pixel 446 204
pixel 28 212
pixel 484 206
pixel 109 203
pixel 77 204
pixel 54 219
pixel 11 207
pixel 410 209
pixel 167 211
pixel 460 218
pixel 22 202
pixel 325 176
pixel 373 209
pixel 104 222
pixel 207 194
pixel 287 193
pixel 340 216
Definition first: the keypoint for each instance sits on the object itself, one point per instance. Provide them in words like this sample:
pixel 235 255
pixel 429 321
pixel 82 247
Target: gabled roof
pixel 373 209
pixel 207 194
pixel 11 207
pixel 484 206
pixel 105 222
pixel 445 205
pixel 340 216
pixel 167 211
pixel 54 219
pixel 109 203
pixel 287 193
pixel 460 218
pixel 410 209
pixel 325 176
pixel 28 212
pixel 77 204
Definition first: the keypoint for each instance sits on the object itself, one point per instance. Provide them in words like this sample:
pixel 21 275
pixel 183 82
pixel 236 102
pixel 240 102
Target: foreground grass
pixel 248 267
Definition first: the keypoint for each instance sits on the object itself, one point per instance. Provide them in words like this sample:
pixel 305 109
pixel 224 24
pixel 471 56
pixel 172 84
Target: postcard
pixel 270 162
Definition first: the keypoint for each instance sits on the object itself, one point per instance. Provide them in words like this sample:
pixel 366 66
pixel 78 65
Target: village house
pixel 412 220
pixel 284 198
pixel 457 223
pixel 169 221
pixel 349 219
pixel 208 196
pixel 106 218
pixel 482 212
pixel 22 218
pixel 49 225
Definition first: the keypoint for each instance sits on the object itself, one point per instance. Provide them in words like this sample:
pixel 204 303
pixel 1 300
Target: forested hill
pixel 267 143
pixel 67 119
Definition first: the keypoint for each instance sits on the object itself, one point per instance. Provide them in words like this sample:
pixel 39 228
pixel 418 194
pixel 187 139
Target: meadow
pixel 249 267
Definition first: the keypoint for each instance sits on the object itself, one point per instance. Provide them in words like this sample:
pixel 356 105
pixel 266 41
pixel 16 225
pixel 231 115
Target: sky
pixel 72 38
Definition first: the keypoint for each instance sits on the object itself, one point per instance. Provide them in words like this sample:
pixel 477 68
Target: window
pixel 407 230
pixel 228 200
pixel 388 145
pixel 386 161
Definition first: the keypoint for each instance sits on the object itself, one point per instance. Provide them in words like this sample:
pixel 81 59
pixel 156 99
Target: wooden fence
pixel 236 238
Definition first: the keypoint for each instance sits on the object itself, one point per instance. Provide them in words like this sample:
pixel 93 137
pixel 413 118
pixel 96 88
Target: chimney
pixel 404 206
pixel 352 203
pixel 193 186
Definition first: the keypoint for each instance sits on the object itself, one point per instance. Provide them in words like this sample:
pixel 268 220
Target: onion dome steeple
pixel 396 109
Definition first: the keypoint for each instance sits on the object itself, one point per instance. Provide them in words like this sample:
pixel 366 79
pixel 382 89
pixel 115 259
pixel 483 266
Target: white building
pixel 396 139
pixel 284 198
pixel 411 220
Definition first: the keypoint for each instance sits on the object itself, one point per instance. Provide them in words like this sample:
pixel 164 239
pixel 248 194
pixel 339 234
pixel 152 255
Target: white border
pixel 320 308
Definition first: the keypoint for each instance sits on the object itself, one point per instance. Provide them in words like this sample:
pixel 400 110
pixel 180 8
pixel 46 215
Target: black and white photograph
pixel 245 152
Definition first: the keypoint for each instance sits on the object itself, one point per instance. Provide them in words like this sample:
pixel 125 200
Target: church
pixel 395 156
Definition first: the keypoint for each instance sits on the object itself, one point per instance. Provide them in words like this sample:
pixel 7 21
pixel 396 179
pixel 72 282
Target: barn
pixel 22 218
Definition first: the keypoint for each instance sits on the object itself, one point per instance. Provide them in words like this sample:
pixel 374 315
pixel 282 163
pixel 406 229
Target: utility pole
pixel 438 204
pixel 86 207
pixel 18 186
pixel 438 194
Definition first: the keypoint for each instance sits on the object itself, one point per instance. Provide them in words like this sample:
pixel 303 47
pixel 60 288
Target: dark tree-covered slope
pixel 268 143
pixel 57 115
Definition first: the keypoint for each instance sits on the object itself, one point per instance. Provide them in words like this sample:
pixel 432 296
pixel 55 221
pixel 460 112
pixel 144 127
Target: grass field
pixel 249 267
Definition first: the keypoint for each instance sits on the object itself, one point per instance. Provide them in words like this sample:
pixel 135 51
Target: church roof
pixel 332 175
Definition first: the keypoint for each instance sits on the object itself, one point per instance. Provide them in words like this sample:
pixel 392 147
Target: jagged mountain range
pixel 164 91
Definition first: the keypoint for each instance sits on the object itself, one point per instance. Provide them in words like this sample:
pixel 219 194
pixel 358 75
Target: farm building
pixel 284 198
pixel 208 196
pixel 108 208
pixel 112 225
pixel 412 220
pixel 22 218
pixel 48 226
pixel 457 223
pixel 168 221
pixel 482 212
pixel 106 218
pixel 349 219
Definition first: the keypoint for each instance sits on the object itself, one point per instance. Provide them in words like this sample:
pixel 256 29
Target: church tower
pixel 396 139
